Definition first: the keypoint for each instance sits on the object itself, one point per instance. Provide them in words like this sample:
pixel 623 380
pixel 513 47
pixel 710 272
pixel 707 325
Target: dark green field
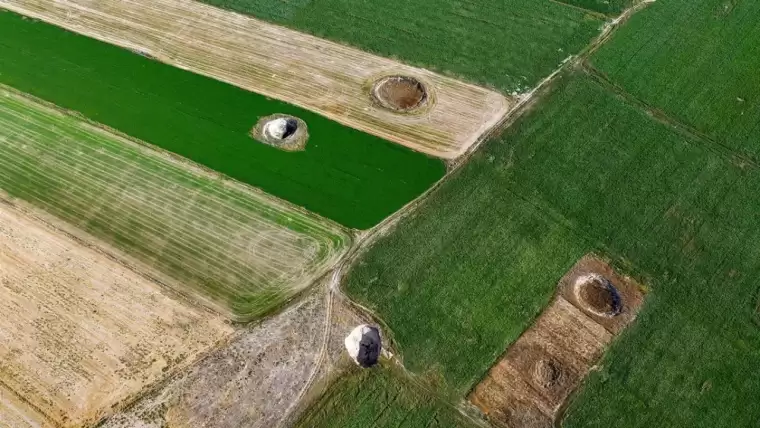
pixel 380 397
pixel 346 175
pixel 605 6
pixel 698 62
pixel 507 44
pixel 587 171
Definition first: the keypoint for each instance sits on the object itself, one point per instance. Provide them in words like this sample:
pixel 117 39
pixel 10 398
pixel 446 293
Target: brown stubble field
pixel 322 76
pixel 80 333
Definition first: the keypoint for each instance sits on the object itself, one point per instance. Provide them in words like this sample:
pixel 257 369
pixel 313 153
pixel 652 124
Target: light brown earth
pixel 80 333
pixel 258 380
pixel 321 76
pixel 529 385
pixel 15 413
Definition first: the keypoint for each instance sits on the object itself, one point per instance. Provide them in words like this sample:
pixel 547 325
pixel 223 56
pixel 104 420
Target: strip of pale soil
pixel 80 333
pixel 239 250
pixel 322 76
pixel 257 381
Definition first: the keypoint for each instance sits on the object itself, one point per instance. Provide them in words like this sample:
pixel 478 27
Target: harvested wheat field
pixel 325 77
pixel 237 249
pixel 81 333
pixel 532 381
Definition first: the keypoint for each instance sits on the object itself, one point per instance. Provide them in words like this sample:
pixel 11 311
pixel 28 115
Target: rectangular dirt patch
pixel 529 384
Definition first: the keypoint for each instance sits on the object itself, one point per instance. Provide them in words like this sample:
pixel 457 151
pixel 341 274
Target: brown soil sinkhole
pixel 600 296
pixel 547 373
pixel 400 93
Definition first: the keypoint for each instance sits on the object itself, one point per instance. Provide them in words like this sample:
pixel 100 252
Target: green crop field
pixel 698 62
pixel 240 249
pixel 506 44
pixel 380 397
pixel 586 171
pixel 604 6
pixel 351 177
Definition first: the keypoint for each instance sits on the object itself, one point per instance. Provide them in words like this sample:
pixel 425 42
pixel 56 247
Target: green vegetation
pixel 698 62
pixel 604 6
pixel 346 175
pixel 245 251
pixel 380 397
pixel 507 44
pixel 587 171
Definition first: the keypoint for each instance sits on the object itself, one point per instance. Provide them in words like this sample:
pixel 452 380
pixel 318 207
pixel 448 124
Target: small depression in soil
pixel 400 93
pixel 600 296
pixel 547 373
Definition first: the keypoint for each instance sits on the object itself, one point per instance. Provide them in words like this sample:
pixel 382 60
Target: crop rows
pixel 696 61
pixel 327 78
pixel 81 333
pixel 345 175
pixel 232 245
pixel 586 171
pixel 506 44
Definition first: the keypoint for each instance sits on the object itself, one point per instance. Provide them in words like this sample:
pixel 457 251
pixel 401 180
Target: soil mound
pixel 400 93
pixel 282 131
pixel 364 345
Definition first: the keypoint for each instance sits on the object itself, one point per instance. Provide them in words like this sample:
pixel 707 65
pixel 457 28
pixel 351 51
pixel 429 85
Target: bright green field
pixel 587 172
pixel 507 44
pixel 381 398
pixel 346 175
pixel 697 61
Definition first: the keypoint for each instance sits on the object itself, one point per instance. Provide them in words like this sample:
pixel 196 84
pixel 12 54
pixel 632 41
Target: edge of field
pixel 342 239
pixel 365 240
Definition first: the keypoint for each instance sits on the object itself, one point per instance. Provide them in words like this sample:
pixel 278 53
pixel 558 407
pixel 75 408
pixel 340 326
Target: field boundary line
pixel 328 78
pixel 526 102
pixel 583 9
pixel 26 402
pixel 659 115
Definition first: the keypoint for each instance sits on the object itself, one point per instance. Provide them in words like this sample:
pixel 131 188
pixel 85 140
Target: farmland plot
pixel 346 175
pixel 324 77
pixel 81 333
pixel 695 61
pixel 235 248
pixel 506 44
pixel 669 208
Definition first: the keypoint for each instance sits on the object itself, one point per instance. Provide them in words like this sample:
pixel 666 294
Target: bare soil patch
pixel 325 77
pixel 262 378
pixel 400 93
pixel 530 383
pixel 82 334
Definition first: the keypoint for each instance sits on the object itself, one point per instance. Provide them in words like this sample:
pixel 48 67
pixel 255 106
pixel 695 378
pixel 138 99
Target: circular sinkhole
pixel 400 93
pixel 282 131
pixel 547 373
pixel 597 294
